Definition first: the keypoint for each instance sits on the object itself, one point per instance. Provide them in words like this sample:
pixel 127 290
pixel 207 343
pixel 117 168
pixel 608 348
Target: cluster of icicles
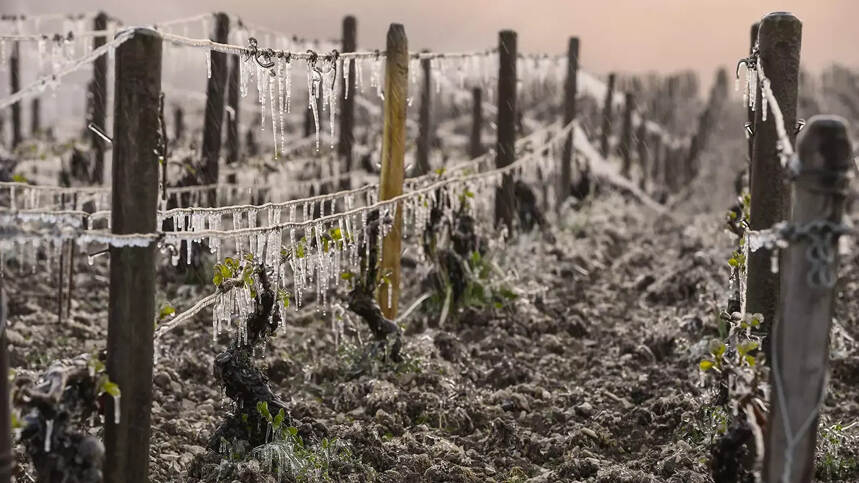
pixel 326 76
pixel 756 78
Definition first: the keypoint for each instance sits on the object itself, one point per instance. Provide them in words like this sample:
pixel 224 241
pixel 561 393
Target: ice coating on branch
pixel 49 433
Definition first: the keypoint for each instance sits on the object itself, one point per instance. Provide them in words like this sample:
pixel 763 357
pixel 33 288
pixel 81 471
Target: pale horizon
pixel 624 36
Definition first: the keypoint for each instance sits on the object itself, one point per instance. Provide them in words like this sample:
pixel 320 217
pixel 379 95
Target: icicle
pixel 117 411
pixel 765 85
pixel 261 91
pixel 379 73
pixel 49 432
pixel 346 64
pixel 274 119
pixel 313 84
pixel 208 63
pixel 243 76
pixel 288 87
pixel 359 74
pixel 281 105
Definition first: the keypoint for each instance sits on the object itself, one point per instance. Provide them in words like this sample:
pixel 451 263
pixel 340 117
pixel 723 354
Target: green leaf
pixel 109 387
pixel 746 347
pixel 750 359
pixel 96 364
pixel 16 421
pixel 347 275
pixel 278 420
pixel 262 409
pixel 335 234
pixel 166 311
pixel 706 365
pixel 283 295
pixel 217 279
pixel 19 178
pixel 292 430
pixel 717 348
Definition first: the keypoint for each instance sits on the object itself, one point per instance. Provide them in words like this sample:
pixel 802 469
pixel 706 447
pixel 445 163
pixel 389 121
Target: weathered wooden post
pixel 233 101
pixel 35 117
pixel 99 101
pixel 15 86
pixel 393 160
pixel 347 103
pixel 131 311
pixel 215 108
pixel 690 169
pixel 641 149
pixel 475 143
pixel 779 39
pixel 800 335
pixel 422 165
pixel 178 123
pixel 657 165
pixel 625 145
pixel 570 91
pixel 605 132
pixel 7 458
pixel 505 197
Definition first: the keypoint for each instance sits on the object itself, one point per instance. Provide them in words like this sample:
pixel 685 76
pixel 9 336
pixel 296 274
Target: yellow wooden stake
pixel 393 161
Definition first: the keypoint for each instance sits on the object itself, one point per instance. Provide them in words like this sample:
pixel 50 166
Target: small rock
pixel 585 409
pixel 15 338
pixel 162 380
pixel 195 449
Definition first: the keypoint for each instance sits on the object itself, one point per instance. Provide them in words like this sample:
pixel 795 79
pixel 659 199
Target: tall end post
pixel 393 160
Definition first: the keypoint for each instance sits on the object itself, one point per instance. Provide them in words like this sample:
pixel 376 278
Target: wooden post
pixel 422 165
pixel 99 101
pixel 749 112
pixel 35 117
pixel 641 149
pixel 7 458
pixel 800 337
pixel 779 39
pixel 233 101
pixel 625 146
pixel 347 103
pixel 689 167
pixel 570 91
pixel 15 86
pixel 505 200
pixel 393 159
pixel 605 132
pixel 215 107
pixel 131 311
pixel 657 165
pixel 475 144
pixel 178 124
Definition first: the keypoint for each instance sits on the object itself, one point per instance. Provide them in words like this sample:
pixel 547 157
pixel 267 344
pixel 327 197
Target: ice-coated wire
pixel 464 178
pixel 185 316
pixel 70 36
pixel 41 83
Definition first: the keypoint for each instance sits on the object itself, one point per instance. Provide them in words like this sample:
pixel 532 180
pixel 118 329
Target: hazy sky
pixel 622 35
